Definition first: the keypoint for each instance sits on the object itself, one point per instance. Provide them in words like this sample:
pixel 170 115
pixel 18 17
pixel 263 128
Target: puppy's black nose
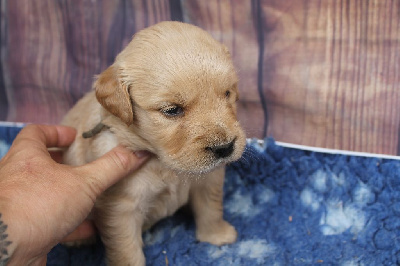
pixel 222 151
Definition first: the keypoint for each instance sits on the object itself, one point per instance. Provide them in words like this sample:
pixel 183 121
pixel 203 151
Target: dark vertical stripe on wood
pixel 116 36
pixel 259 25
pixel 3 44
pixel 3 96
pixel 146 11
pixel 130 16
pixel 175 8
pixel 233 51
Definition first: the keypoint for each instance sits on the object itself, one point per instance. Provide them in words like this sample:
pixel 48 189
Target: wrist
pixel 7 246
pixel 9 243
pixel 16 246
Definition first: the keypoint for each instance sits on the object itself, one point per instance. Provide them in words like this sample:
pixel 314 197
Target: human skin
pixel 43 202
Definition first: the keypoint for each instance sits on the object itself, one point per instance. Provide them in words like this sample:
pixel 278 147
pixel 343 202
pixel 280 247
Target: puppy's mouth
pixel 206 159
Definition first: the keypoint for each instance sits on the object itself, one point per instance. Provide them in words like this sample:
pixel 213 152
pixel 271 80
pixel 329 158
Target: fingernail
pixel 142 154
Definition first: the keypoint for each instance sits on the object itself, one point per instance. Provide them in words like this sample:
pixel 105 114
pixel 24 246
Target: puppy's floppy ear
pixel 113 95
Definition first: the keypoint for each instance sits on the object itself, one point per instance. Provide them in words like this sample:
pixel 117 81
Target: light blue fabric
pixel 8 131
pixel 4 147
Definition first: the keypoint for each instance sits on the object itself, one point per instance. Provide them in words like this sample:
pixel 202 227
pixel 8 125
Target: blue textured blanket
pixel 290 207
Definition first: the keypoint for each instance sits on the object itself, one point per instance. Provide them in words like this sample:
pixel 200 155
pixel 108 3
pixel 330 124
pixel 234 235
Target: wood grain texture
pixel 54 49
pixel 334 75
pixel 314 72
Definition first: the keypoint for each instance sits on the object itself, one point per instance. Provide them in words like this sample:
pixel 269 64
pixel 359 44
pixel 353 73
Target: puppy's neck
pixel 126 135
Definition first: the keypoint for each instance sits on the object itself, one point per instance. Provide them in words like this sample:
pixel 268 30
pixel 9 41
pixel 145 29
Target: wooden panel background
pixel 315 72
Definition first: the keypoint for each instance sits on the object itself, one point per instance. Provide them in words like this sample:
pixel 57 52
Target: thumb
pixel 112 167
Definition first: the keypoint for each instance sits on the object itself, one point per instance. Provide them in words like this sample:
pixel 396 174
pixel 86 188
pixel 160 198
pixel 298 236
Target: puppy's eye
pixel 227 93
pixel 172 111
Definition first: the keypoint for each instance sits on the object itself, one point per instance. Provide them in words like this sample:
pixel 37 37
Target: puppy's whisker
pixel 249 155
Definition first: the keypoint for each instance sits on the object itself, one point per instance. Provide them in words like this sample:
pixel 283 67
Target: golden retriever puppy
pixel 172 91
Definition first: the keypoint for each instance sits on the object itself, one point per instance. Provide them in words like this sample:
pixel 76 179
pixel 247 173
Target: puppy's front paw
pixel 219 234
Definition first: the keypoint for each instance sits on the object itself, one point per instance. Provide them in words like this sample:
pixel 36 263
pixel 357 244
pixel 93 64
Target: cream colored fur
pixel 168 67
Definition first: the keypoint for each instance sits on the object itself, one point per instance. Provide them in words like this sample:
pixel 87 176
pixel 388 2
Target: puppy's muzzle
pixel 222 151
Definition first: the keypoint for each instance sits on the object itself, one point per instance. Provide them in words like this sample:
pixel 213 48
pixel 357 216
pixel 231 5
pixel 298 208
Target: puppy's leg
pixel 121 233
pixel 206 202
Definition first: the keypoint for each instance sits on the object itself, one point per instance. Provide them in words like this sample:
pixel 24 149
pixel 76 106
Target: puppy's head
pixel 176 87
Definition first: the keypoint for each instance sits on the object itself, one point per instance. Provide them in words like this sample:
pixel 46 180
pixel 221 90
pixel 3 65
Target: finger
pixel 49 135
pixel 40 261
pixel 113 166
pixel 82 232
pixel 56 155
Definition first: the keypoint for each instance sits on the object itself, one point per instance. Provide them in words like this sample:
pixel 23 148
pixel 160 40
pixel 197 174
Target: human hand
pixel 42 201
